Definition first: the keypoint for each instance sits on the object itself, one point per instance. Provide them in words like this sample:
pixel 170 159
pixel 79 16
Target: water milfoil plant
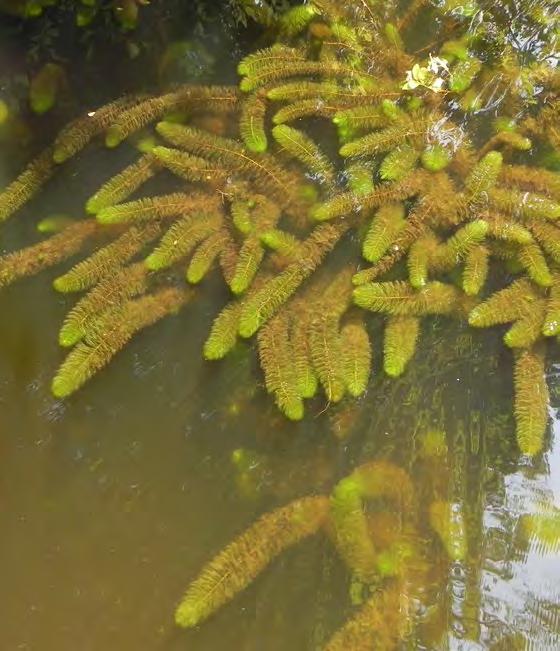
pixel 374 523
pixel 356 177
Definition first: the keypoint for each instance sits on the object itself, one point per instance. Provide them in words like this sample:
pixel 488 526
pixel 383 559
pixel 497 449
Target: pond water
pixel 113 500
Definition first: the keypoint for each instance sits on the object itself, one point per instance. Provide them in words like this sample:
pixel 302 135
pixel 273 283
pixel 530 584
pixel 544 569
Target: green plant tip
pixel 506 124
pixel 69 336
pixel 435 158
pixel 113 137
pixel 60 388
pixel 154 262
pixel 61 285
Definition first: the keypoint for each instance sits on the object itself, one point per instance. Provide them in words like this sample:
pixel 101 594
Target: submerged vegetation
pixel 356 138
pixel 392 539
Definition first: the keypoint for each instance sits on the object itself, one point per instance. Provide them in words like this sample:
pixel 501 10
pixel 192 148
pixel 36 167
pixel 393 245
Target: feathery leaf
pixel 122 185
pixel 525 205
pixel 223 334
pixel 233 569
pixel 483 176
pixel 378 141
pixel 551 324
pixel 531 401
pixel 528 328
pixel 351 532
pixel 419 257
pixel 111 291
pixel 532 259
pixel 154 108
pixel 435 158
pixel 548 236
pixel 276 358
pixel 375 626
pixel 285 243
pixel 47 253
pixel 26 184
pixel 400 299
pixel 356 354
pixel 301 147
pixel 505 305
pixel 360 180
pixel 150 208
pixel 106 260
pixel 399 343
pixel 182 237
pixel 80 132
pixel 306 378
pixel 463 74
pixel 476 270
pixel 230 154
pixel 206 253
pixel 250 257
pixel 188 167
pixel 251 123
pixel 398 163
pixel 293 21
pixel 261 305
pixel 508 230
pixel 256 61
pixel 111 333
pixel 326 350
pixel 371 481
pixel 387 223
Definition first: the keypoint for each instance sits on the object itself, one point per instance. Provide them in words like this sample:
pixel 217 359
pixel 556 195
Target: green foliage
pixel 223 335
pixel 141 210
pixel 375 626
pixel 327 356
pixel 506 305
pixel 251 123
pixel 531 400
pixel 280 375
pixel 120 285
pixel 424 211
pixel 436 158
pixel 463 74
pixel 45 86
pixel 475 272
pixel 296 19
pixel 356 352
pixel 301 147
pixel 181 238
pixel 401 299
pixel 105 261
pixel 121 186
pixel 484 175
pixel 399 343
pixel 350 528
pixel 375 142
pixel 398 163
pixel 378 480
pixel 109 333
pixel 385 226
pixel 244 558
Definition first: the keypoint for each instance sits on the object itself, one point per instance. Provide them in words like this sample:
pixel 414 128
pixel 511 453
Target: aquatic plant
pixel 340 136
pixel 387 530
